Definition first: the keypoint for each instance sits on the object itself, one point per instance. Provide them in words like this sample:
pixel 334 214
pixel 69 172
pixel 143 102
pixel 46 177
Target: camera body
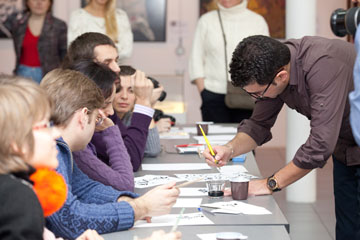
pixel 160 114
pixel 344 22
pixel 156 85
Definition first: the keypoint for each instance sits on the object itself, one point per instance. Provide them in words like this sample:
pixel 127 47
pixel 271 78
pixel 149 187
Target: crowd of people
pixel 74 117
pixel 68 129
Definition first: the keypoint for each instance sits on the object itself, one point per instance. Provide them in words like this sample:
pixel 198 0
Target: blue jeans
pixel 35 73
pixel 347 200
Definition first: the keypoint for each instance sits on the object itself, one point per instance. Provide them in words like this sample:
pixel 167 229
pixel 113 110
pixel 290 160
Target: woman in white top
pixel 102 16
pixel 207 67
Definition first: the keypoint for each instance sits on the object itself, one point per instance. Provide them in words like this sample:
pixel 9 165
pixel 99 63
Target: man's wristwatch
pixel 273 184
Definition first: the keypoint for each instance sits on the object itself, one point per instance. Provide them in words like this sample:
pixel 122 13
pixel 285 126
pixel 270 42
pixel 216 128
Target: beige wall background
pixel 160 58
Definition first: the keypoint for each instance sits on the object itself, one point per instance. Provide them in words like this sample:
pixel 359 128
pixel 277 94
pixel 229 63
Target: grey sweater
pixel 153 146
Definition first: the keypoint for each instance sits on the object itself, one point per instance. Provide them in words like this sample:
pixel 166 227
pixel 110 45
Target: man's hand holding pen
pixel 222 156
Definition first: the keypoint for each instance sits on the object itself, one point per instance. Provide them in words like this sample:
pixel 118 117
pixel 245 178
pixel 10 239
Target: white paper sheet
pixel 214 176
pixel 235 171
pixel 174 135
pixel 188 202
pixel 214 143
pixel 214 138
pixel 207 236
pixel 214 129
pixel 212 236
pixel 205 177
pixel 237 207
pixel 175 166
pixel 192 130
pixel 189 192
pixel 197 218
pixel 229 169
pixel 153 180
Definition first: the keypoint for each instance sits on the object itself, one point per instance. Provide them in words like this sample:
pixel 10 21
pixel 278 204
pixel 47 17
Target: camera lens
pixel 162 96
pixel 154 81
pixel 344 22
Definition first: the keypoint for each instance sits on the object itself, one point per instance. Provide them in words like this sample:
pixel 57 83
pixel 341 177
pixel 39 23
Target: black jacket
pixel 52 44
pixel 21 215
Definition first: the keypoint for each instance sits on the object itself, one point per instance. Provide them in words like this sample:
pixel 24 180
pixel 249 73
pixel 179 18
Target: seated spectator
pixel 117 171
pixel 28 157
pixel 39 39
pixel 100 48
pixel 124 104
pixel 89 203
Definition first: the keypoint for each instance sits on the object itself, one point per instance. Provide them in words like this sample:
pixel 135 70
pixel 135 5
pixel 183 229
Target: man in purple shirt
pixel 312 75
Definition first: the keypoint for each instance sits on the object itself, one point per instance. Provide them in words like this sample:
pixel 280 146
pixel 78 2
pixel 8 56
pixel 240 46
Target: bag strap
pixel 224 37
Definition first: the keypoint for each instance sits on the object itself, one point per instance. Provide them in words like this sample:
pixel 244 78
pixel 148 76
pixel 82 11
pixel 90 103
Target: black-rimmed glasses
pixel 258 96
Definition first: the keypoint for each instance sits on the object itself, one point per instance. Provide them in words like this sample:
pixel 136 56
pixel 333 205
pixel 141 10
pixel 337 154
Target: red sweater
pixel 29 51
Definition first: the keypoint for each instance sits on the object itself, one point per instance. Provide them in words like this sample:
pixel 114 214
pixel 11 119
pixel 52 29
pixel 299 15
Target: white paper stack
pixel 237 207
pixel 174 166
pixel 174 134
pixel 153 180
pixel 197 218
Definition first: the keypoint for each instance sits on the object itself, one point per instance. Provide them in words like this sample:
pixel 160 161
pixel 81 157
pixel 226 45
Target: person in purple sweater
pixel 100 48
pixel 117 171
pixel 91 204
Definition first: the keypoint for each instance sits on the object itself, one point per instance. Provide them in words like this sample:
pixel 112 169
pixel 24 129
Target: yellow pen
pixel 208 144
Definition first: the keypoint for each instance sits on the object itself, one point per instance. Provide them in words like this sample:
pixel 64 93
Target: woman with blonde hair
pixel 102 16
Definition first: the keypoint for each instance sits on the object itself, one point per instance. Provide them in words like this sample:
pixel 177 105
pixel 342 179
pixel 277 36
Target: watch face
pixel 272 183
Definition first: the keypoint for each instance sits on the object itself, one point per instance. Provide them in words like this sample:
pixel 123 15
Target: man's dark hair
pixel 257 59
pixel 126 70
pixel 82 48
pixel 101 74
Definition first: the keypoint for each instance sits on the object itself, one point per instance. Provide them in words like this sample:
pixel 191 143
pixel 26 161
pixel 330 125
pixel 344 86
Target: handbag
pixel 235 97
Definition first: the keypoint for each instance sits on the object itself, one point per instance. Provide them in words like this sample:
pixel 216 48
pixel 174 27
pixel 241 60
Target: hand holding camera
pixel 162 94
pixel 156 95
pixel 143 89
pixel 163 125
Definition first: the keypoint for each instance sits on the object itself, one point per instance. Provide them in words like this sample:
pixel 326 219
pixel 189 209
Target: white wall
pixel 160 58
pixel 324 10
pixel 163 54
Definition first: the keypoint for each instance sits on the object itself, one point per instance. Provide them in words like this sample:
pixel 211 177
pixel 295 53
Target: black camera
pixel 344 22
pixel 160 114
pixel 156 85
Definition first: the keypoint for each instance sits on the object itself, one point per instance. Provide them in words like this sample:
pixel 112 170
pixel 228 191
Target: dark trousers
pixel 213 108
pixel 347 200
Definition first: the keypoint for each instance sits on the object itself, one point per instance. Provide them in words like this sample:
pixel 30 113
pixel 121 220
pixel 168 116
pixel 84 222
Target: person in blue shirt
pixel 354 96
pixel 91 204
